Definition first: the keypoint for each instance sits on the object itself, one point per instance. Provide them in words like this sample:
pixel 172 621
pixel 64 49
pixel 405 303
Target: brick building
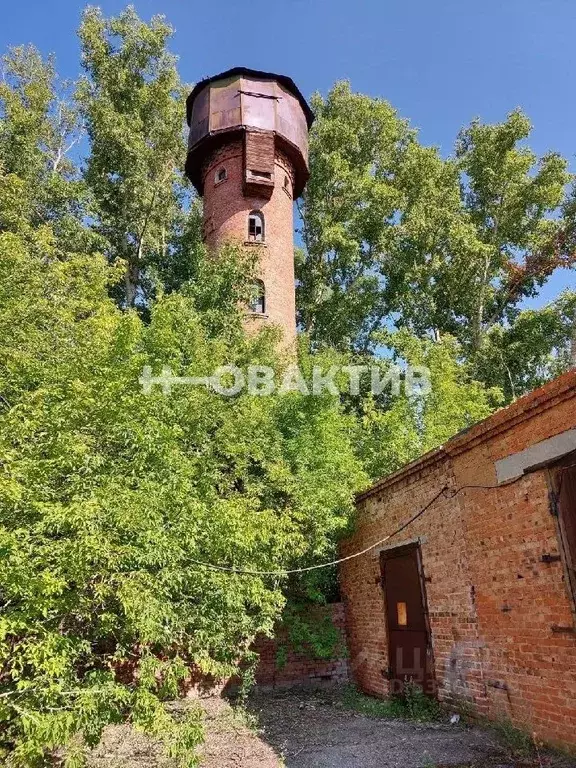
pixel 248 158
pixel 476 598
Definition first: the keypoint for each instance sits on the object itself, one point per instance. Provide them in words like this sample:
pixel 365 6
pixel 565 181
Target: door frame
pixel 568 558
pixel 398 551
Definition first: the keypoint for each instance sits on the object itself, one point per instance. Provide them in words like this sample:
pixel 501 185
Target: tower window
pixel 220 175
pixel 261 174
pixel 258 303
pixel 256 227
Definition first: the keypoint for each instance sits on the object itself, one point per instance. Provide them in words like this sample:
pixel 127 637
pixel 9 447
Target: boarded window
pixel 259 153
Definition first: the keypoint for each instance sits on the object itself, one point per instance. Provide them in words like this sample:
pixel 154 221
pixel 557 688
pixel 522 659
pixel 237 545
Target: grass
pixel 412 705
pixel 243 718
pixel 515 741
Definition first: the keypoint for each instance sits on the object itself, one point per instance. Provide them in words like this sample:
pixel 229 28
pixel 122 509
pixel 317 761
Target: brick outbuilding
pixel 476 597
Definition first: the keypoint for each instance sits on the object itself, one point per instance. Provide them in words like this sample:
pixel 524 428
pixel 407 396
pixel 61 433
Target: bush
pixel 109 495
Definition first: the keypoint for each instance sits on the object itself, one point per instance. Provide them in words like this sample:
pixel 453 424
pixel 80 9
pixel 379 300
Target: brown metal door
pixel 565 482
pixel 408 636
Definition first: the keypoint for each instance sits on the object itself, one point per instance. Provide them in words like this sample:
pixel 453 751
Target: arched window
pixel 256 227
pixel 258 303
pixel 220 175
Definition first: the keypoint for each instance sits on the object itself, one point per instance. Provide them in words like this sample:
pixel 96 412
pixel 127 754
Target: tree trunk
pixel 477 330
pixel 573 343
pixel 131 280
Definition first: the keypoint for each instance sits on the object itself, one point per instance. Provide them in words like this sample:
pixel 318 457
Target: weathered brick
pixel 226 210
pixel 300 669
pixel 492 601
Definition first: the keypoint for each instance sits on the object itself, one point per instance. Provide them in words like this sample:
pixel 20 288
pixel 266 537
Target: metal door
pixel 565 486
pixel 409 653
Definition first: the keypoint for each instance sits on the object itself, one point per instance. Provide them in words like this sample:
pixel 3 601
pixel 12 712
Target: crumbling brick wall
pixel 301 669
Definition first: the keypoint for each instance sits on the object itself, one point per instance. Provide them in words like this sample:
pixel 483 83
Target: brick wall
pixel 492 602
pixel 300 669
pixel 226 209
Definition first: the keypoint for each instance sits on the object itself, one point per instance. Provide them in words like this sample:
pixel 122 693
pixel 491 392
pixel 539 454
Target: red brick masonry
pixel 226 209
pixel 300 669
pixel 501 619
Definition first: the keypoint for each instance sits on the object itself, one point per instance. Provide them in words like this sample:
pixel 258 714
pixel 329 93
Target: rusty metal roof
pixel 284 80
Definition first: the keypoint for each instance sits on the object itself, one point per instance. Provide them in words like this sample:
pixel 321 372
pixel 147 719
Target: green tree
pixel 132 101
pixel 513 199
pixel 395 236
pixel 348 217
pixel 402 425
pixel 538 346
pixel 39 127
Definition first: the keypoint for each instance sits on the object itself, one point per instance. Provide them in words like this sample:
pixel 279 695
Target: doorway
pixel 409 647
pixel 564 488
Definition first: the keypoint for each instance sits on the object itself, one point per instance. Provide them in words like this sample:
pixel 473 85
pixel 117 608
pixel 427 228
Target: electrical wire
pixel 332 563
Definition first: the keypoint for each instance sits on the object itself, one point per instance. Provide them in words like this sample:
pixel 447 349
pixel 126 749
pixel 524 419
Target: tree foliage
pixel 39 126
pixel 538 346
pixel 108 495
pixel 131 99
pixel 400 426
pixel 396 236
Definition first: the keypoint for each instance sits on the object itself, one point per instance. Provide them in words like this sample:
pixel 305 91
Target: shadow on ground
pixel 305 729
pixel 314 730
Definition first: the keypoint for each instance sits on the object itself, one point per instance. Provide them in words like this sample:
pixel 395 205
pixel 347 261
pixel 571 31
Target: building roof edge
pixel 558 389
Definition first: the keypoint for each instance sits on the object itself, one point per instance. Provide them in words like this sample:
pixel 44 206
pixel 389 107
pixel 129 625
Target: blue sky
pixel 439 62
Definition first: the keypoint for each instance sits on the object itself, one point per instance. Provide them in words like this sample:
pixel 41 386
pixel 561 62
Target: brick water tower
pixel 248 159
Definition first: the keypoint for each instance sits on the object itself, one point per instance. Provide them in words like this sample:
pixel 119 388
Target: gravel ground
pixel 304 729
pixel 231 742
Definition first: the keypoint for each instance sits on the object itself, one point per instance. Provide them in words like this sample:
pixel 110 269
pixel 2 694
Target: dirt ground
pixel 304 729
pixel 232 740
pixel 314 730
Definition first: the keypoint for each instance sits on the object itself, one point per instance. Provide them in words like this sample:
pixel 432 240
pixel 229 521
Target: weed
pixel 243 718
pixel 413 704
pixel 353 699
pixel 515 741
pixel 419 706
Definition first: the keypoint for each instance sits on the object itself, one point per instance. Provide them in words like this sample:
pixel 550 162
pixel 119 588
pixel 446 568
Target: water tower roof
pixel 284 80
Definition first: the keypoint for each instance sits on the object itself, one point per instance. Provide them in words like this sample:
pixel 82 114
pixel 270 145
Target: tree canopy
pixel 395 236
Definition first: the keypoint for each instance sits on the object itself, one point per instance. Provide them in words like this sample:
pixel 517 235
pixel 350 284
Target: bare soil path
pixel 304 729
